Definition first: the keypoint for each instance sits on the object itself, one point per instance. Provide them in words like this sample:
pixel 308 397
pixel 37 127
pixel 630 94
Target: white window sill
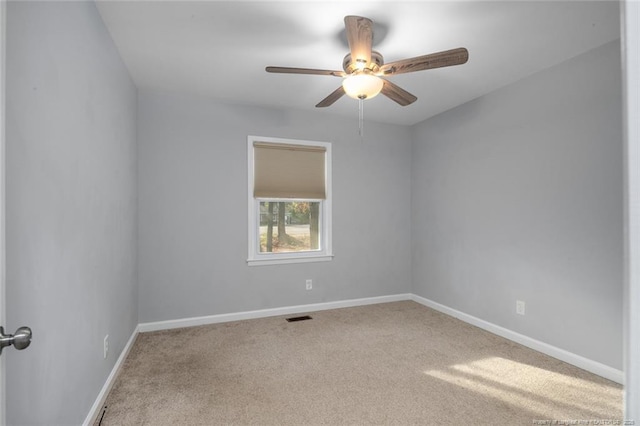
pixel 292 259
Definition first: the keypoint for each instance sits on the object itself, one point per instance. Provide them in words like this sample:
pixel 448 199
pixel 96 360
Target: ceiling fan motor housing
pixel 349 65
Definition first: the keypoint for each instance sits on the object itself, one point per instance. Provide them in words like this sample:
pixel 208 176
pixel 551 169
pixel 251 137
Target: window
pixel 289 201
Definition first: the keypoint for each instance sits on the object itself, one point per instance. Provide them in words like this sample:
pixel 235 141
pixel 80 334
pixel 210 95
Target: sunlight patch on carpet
pixel 524 386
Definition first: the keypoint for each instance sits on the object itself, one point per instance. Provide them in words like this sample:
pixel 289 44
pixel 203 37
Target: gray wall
pixel 519 195
pixel 193 209
pixel 71 208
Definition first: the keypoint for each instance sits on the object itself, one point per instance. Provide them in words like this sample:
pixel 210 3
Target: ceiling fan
pixel 365 72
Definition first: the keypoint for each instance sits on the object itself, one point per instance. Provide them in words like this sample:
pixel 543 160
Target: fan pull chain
pixel 361 117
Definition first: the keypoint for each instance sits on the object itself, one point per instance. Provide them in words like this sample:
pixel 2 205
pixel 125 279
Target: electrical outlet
pixel 106 346
pixel 519 307
pixel 309 284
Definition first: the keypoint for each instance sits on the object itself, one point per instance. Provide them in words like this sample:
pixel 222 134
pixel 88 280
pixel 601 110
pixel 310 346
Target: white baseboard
pixel 104 392
pixel 566 356
pixel 263 313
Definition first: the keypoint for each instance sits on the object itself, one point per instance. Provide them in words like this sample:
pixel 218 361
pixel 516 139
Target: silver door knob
pixel 20 340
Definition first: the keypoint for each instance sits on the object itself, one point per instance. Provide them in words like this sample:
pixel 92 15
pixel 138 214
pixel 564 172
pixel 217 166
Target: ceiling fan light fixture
pixel 362 85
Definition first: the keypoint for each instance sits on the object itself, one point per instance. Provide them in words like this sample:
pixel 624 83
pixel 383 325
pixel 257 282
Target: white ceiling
pixel 220 49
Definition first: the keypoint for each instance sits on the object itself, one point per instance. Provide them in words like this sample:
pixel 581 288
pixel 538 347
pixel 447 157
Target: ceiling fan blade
pixel 329 100
pixel 397 94
pixel 288 70
pixel 360 38
pixel 446 58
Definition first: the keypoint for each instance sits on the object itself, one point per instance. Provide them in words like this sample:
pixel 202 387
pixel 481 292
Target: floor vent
pixel 303 318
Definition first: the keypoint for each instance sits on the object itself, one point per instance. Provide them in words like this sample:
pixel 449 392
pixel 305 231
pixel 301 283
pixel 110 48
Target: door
pixel 2 241
pixel 21 338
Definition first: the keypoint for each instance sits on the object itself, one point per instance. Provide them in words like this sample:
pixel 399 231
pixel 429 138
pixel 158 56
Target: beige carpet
pixel 395 363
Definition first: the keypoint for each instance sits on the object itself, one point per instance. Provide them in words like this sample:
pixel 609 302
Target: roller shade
pixel 288 171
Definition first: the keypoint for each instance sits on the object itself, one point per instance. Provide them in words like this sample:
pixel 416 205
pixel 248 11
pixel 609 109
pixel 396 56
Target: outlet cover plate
pixel 106 346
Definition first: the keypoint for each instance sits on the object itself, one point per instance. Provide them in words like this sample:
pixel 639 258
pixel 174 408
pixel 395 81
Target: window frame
pixel 255 257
